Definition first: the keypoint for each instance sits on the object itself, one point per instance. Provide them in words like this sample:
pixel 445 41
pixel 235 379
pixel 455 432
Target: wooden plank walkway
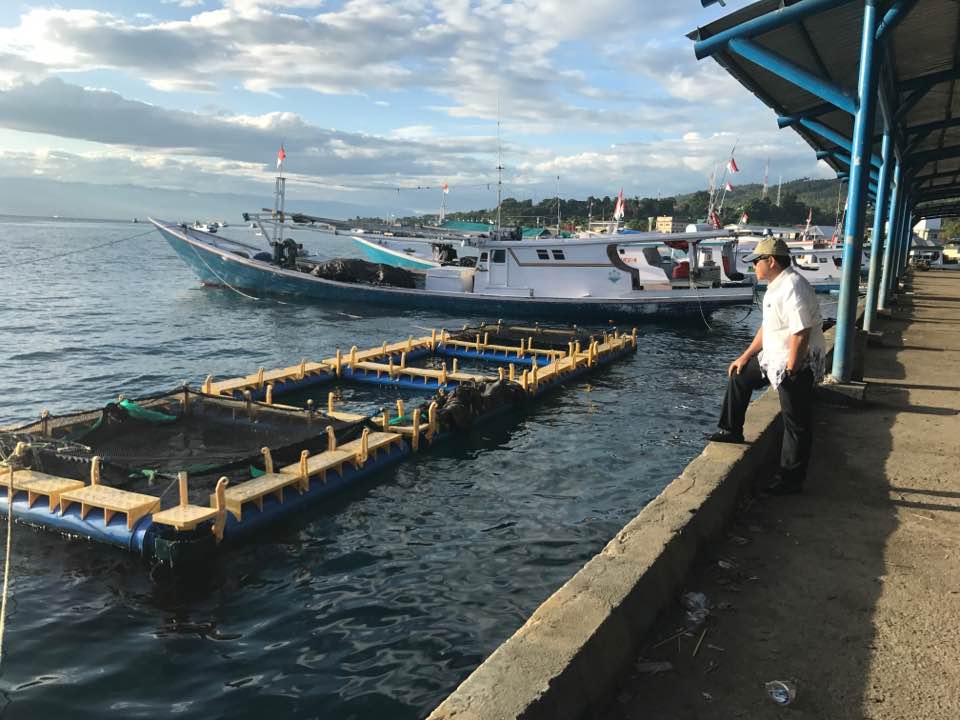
pixel 112 501
pixel 37 484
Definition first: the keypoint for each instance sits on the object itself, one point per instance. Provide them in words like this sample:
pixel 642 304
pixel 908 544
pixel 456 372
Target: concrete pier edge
pixel 567 658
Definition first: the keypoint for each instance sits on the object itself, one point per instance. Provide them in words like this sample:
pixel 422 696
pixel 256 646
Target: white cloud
pixel 605 93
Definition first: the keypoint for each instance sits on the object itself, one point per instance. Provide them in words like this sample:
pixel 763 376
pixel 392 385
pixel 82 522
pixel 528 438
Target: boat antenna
pixel 499 169
pixel 558 206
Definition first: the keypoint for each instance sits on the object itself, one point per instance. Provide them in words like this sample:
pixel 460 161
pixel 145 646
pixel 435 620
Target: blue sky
pixel 367 95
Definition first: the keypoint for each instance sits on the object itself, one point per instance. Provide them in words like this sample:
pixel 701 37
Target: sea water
pixel 374 604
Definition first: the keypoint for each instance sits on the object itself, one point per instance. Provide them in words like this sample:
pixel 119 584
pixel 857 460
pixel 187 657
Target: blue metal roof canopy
pixel 826 67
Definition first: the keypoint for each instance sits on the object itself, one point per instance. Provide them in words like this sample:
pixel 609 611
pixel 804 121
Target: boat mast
pixel 713 191
pixel 779 186
pixel 279 198
pixel 499 171
pixel 766 173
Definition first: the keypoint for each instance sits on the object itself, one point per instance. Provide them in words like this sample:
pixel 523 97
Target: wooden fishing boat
pixel 573 278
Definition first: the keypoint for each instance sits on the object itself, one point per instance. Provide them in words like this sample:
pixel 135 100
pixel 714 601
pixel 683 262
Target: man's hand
pixel 737 365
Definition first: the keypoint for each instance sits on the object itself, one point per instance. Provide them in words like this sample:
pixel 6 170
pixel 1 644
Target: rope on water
pixel 6 565
pixel 217 276
pixel 82 250
pixel 754 304
pixel 8 462
pixel 703 317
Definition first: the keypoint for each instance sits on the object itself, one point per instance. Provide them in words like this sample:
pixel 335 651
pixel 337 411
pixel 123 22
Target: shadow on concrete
pixel 920 409
pixel 926 506
pixel 919 386
pixel 906 346
pixel 924 491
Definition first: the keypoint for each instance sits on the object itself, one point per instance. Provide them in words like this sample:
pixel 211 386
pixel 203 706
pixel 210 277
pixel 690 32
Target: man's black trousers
pixel 796 408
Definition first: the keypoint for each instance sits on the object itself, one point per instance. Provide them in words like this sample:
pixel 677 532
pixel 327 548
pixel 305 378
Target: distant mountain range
pixel 821 195
pixel 44 197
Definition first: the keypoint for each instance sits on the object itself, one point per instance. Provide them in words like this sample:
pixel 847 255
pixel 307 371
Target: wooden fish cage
pixel 174 475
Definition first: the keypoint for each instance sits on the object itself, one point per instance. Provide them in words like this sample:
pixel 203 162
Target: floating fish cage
pixel 173 476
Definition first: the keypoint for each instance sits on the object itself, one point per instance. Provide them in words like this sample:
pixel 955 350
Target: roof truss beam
pixel 928 195
pixel 771 21
pixel 920 159
pixel 833 136
pixel 791 72
pixel 925 82
pixel 934 176
pixel 785 121
pixel 843 157
pixel 893 17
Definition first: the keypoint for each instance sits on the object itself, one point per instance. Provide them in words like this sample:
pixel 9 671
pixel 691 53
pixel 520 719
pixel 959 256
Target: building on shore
pixel 668 224
pixel 928 230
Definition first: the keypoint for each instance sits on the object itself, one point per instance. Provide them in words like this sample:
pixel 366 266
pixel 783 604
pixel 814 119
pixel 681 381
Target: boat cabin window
pixel 499 256
pixel 651 256
pixel 483 257
pixel 543 254
pixel 558 255
pixel 823 260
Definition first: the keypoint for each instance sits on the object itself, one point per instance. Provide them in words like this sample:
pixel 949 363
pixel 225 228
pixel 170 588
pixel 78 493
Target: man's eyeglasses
pixel 762 257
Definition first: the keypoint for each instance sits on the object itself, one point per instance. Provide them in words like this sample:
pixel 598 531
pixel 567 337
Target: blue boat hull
pixel 221 267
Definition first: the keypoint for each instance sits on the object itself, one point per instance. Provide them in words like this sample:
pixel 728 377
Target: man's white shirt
pixel 789 306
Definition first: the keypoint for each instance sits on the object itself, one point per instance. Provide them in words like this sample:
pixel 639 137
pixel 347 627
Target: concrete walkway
pixel 852 589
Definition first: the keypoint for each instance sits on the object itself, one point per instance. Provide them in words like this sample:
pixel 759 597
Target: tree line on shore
pixel 797 199
pixel 822 200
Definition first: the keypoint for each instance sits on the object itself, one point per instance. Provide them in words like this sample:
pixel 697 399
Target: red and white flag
pixel 618 209
pixel 744 219
pixel 732 165
pixel 446 189
pixel 728 187
pixel 281 156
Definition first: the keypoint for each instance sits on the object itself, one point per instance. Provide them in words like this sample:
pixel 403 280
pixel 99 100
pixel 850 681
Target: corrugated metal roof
pixel 924 47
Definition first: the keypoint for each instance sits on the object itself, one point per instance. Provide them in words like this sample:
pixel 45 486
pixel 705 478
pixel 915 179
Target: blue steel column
pixel 901 241
pixel 907 241
pixel 879 209
pixel 859 175
pixel 906 229
pixel 893 218
pixel 898 242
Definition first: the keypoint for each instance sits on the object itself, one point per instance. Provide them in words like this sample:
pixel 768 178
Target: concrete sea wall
pixel 565 661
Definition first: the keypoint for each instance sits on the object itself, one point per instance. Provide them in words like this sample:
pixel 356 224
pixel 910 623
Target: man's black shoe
pixel 725 436
pixel 780 486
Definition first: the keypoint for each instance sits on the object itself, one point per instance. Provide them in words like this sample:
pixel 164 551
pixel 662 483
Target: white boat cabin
pixel 567 267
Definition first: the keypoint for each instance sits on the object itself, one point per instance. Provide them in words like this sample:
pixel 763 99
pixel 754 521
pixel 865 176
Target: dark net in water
pixel 157 437
pixel 353 270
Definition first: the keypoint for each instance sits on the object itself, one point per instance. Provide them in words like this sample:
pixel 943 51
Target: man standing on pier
pixel 787 353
